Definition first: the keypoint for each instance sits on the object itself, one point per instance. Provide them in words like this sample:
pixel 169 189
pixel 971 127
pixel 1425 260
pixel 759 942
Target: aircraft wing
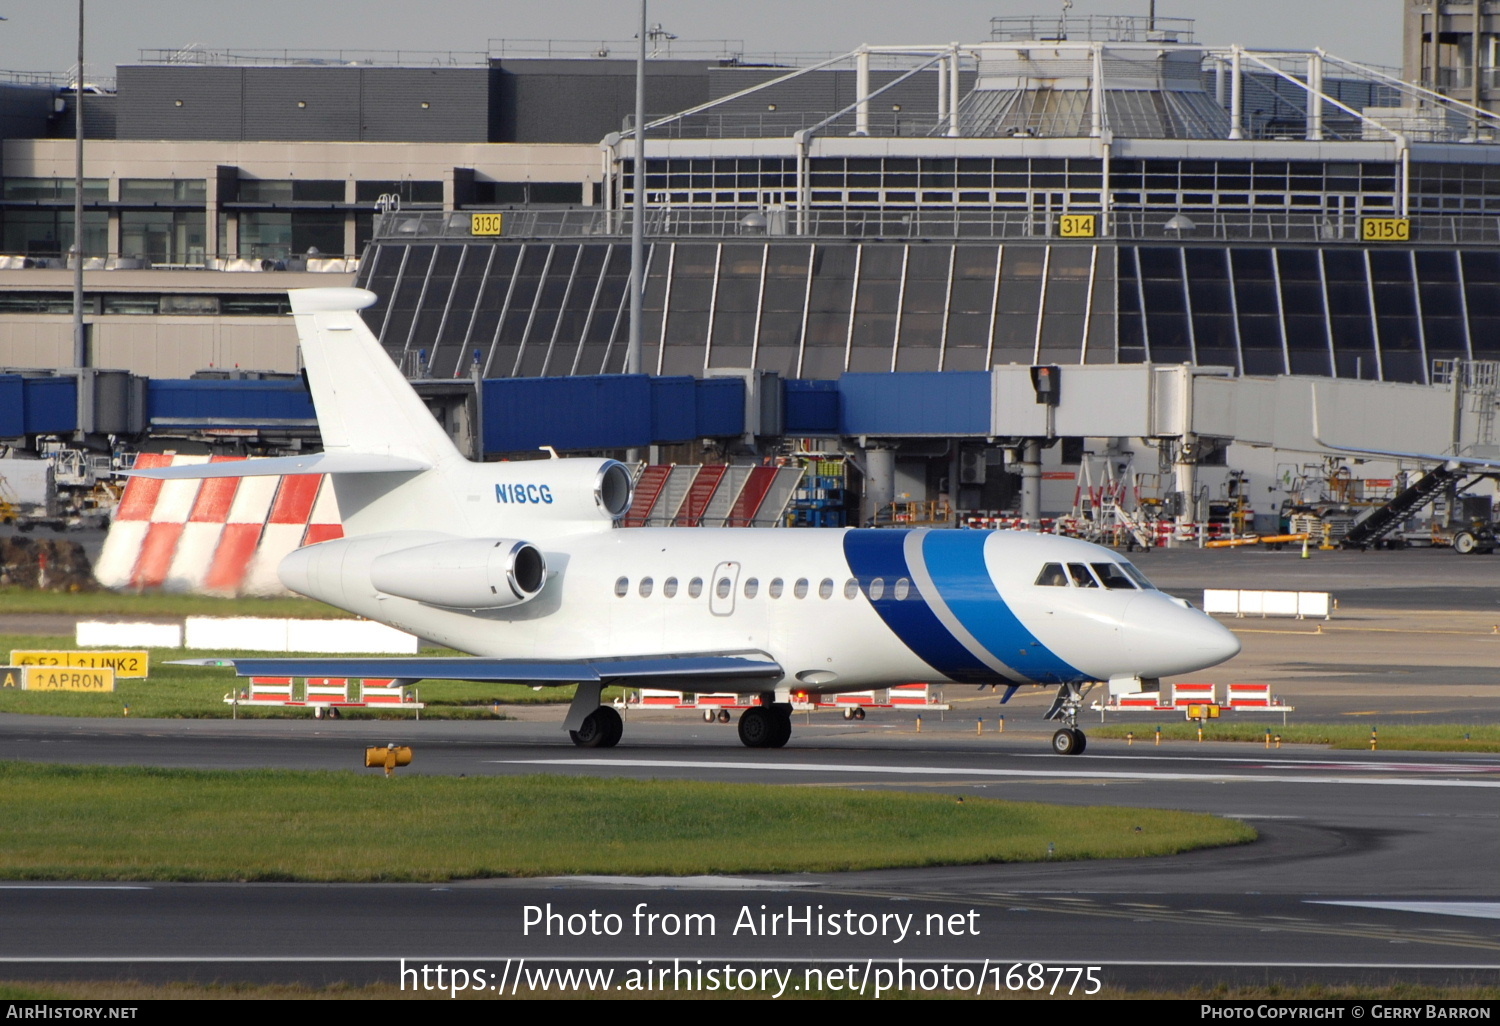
pixel 275 466
pixel 721 668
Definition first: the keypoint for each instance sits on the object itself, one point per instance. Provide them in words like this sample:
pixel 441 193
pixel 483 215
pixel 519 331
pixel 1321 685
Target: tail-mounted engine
pixel 469 573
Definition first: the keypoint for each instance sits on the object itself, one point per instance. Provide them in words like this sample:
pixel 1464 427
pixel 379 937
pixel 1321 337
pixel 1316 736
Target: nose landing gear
pixel 1065 707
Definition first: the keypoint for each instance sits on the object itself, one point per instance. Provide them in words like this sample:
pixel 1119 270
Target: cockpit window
pixel 1113 575
pixel 1138 577
pixel 1081 576
pixel 1052 576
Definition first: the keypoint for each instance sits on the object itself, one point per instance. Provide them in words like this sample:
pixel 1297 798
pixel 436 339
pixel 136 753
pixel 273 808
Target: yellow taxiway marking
pixel 1394 712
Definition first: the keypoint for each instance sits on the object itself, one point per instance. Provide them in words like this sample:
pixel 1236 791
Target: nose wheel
pixel 1065 707
pixel 1069 741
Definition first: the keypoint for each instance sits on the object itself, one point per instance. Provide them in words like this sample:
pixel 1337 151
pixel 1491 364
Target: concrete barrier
pixel 93 634
pixel 256 634
pixel 1299 604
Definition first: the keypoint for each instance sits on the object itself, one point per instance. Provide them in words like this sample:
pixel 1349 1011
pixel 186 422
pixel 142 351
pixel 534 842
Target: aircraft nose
pixel 1170 638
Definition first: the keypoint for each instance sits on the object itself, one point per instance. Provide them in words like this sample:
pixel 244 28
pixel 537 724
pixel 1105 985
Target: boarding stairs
pixel 1382 520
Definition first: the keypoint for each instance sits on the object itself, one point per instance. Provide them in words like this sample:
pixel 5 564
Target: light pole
pixel 638 214
pixel 80 348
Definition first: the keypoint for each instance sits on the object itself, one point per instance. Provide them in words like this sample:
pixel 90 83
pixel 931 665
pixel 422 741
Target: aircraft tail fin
pixel 365 405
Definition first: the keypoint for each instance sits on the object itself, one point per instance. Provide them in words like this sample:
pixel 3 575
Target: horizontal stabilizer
pixel 517 671
pixel 315 463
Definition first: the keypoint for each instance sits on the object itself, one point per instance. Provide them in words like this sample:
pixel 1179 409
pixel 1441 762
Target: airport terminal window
pixel 752 587
pixel 1113 576
pixel 669 587
pixel 1052 576
pixel 1081 576
pixel 695 587
pixel 622 587
pixel 645 588
pixel 409 191
pixel 163 190
pixel 800 588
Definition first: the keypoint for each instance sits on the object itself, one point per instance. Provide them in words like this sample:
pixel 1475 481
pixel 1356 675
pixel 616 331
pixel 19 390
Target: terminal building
pixel 875 245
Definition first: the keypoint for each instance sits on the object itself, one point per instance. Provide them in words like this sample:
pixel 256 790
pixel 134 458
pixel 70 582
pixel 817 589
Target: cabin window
pixel 622 587
pixel 902 590
pixel 1081 576
pixel 723 587
pixel 800 588
pixel 752 586
pixel 1052 576
pixel 695 587
pixel 669 587
pixel 877 589
pixel 645 588
pixel 1113 576
pixel 825 590
pixel 776 587
pixel 851 588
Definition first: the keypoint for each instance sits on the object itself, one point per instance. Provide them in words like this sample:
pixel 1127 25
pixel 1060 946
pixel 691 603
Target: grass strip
pixel 1416 737
pixel 102 823
pixel 124 604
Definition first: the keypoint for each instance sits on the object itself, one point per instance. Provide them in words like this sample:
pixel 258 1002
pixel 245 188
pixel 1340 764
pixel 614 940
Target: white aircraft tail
pixel 365 405
pixel 393 466
pixel 367 409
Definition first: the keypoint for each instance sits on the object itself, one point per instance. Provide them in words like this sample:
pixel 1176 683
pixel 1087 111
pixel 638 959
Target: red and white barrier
pixel 319 693
pixel 219 536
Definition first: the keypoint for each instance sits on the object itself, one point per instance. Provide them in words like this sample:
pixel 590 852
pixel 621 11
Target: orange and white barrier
pixel 218 536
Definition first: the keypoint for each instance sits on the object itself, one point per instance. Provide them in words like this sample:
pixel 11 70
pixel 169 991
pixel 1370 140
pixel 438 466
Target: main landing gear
pixel 1066 706
pixel 590 724
pixel 766 726
pixel 601 728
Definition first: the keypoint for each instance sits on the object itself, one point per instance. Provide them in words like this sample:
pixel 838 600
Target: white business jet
pixel 525 566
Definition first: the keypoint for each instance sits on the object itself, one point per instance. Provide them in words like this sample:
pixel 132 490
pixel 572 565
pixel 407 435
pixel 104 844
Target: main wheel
pixel 781 716
pixel 602 728
pixel 759 728
pixel 1068 741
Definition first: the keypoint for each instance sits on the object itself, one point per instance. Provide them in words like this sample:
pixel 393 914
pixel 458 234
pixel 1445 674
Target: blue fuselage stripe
pixel 955 561
pixel 878 555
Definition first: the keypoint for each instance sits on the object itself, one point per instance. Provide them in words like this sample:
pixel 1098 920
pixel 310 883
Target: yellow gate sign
pixel 133 664
pixel 486 224
pixel 1077 226
pixel 64 678
pixel 1385 229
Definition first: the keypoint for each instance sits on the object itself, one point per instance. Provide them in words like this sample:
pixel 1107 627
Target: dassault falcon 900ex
pixel 525 566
